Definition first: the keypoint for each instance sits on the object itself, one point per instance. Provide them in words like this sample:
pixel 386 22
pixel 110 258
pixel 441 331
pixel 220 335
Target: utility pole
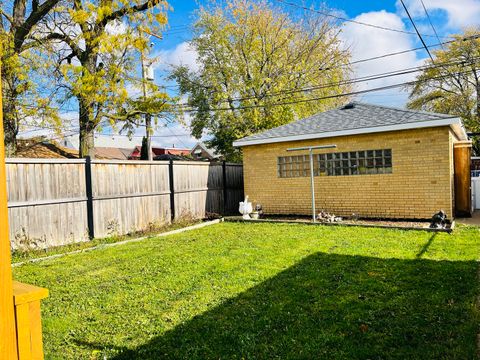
pixel 7 318
pixel 147 75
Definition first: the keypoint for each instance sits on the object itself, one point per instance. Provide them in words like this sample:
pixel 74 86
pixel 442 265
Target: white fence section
pixel 476 193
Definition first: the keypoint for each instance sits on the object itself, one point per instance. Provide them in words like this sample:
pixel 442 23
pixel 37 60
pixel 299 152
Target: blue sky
pixel 182 14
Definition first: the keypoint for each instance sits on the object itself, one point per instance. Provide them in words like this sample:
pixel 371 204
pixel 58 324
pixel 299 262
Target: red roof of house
pixel 159 151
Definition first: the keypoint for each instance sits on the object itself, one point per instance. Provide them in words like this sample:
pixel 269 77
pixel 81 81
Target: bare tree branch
pixel 76 51
pixel 6 16
pixel 22 30
pixel 128 10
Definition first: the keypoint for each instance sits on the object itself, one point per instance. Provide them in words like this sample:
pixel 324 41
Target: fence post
pixel 89 193
pixel 224 174
pixel 172 189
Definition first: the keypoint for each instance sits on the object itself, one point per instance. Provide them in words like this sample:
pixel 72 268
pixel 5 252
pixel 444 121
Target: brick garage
pixel 388 163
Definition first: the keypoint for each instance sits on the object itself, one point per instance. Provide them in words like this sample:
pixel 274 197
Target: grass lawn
pixel 19 256
pixel 266 291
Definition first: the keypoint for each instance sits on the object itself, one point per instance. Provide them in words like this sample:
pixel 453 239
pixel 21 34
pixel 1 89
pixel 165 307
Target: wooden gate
pixel 463 195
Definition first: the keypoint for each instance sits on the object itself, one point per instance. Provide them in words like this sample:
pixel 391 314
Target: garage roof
pixel 352 119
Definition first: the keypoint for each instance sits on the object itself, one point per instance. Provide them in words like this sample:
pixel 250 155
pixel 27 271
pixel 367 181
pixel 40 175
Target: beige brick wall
pixel 420 184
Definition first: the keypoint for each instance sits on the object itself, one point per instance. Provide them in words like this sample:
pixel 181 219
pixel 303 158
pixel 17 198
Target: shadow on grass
pixel 335 307
pixel 425 247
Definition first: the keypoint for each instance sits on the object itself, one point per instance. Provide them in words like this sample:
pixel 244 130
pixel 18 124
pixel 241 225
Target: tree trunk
pixel 10 123
pixel 148 126
pixel 87 128
pixel 477 120
pixel 20 26
pixel 144 149
pixel 10 128
pixel 86 107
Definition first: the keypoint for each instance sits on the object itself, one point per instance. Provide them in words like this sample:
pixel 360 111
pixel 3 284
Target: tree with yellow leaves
pixel 260 67
pixel 97 42
pixel 19 59
pixel 454 87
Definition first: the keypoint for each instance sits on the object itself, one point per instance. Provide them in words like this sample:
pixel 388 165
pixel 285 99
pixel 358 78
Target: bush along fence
pixel 55 202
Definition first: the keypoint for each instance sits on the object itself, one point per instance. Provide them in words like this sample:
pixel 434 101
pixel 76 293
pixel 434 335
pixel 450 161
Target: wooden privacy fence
pixel 55 202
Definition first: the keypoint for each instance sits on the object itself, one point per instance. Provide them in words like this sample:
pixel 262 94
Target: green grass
pixel 266 291
pixel 19 256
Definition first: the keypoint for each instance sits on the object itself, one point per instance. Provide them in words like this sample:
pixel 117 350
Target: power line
pixel 469 38
pixel 430 21
pixel 180 107
pixel 343 19
pixel 178 138
pixel 141 136
pixel 418 33
pixel 177 26
pixel 348 82
pixel 387 87
pixel 73 133
pixel 76 130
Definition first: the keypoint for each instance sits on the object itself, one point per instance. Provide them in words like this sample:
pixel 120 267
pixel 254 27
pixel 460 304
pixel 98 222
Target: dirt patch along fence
pixel 55 202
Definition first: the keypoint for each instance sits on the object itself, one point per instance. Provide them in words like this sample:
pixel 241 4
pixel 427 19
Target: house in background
pixel 475 166
pixel 201 152
pixel 107 147
pixel 102 141
pixel 388 163
pixel 158 151
pixel 38 148
pixel 118 147
pixel 111 153
pixel 48 149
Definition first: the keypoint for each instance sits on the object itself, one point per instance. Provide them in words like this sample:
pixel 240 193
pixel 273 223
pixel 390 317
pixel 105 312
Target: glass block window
pixel 337 164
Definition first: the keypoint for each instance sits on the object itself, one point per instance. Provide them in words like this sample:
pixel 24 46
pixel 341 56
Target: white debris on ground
pixel 327 217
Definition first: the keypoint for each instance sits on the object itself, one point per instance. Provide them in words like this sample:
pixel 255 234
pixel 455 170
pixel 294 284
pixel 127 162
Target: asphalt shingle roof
pixel 352 116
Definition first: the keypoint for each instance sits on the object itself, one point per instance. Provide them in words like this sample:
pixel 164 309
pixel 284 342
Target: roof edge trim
pixel 369 130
